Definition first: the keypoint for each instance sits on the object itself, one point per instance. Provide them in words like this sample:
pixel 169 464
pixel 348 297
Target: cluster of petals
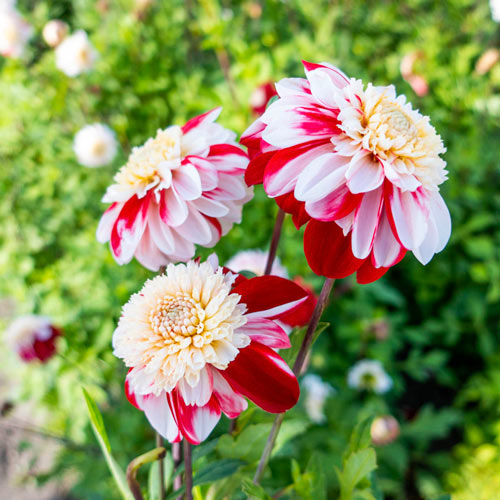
pixel 369 374
pixel 32 337
pixel 182 188
pixel 95 145
pixel 358 165
pixel 76 54
pixel 14 30
pixel 255 262
pixel 199 339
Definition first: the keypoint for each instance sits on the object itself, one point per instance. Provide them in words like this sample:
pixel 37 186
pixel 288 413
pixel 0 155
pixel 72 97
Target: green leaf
pixel 254 491
pixel 102 438
pixel 356 468
pixel 360 437
pixel 296 339
pixel 217 470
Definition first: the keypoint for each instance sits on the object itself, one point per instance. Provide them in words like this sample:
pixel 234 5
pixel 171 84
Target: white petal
pixel 159 415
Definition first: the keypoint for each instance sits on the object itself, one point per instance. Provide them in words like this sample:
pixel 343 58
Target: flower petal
pixel 328 251
pixel 269 296
pixel 267 332
pixel 157 411
pixel 194 422
pixel 230 402
pixel 261 375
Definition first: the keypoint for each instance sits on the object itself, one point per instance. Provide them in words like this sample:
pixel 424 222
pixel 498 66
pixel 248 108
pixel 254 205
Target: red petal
pixel 231 403
pixel 254 173
pixel 291 205
pixel 269 294
pixel 328 251
pixel 300 315
pixel 367 273
pixel 261 375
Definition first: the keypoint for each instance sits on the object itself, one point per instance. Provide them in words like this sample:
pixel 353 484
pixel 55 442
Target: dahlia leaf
pixel 102 438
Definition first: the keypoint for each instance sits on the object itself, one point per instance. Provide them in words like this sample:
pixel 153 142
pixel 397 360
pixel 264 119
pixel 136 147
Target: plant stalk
pixel 177 457
pixel 161 467
pixel 188 470
pixel 280 217
pixel 297 368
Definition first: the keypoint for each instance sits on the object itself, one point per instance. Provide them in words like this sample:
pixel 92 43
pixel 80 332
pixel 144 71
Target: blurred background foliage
pixel 436 329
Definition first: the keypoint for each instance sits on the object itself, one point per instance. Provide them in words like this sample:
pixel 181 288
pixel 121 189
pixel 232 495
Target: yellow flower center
pixel 387 128
pixel 143 166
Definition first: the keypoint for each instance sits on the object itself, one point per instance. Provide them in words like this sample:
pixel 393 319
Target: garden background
pixel 434 328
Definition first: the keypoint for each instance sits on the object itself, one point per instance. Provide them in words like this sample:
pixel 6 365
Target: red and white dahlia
pixel 357 164
pixel 197 339
pixel 32 337
pixel 183 187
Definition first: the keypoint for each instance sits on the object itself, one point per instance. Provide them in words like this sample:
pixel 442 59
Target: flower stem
pixel 297 368
pixel 188 470
pixel 177 457
pixel 274 241
pixel 161 467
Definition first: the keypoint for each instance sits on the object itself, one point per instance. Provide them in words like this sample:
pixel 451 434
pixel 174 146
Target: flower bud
pixel 384 430
pixel 487 60
pixel 54 32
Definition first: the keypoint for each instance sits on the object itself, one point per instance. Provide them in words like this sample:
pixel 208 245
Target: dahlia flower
pixel 198 339
pixel 95 145
pixel 75 54
pixel 255 262
pixel 54 32
pixel 32 337
pixel 384 430
pixel 369 374
pixel 317 392
pixel 261 96
pixel 357 164
pixel 14 31
pixel 181 188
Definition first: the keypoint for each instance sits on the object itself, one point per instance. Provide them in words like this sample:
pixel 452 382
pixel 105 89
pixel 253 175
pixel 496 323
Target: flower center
pixel 147 164
pixel 98 148
pixel 387 128
pixel 180 320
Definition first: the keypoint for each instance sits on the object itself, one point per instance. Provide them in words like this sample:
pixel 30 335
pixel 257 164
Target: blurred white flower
pixel 495 10
pixel 255 262
pixel 54 32
pixel 76 54
pixel 14 31
pixel 317 393
pixel 95 145
pixel 384 430
pixel 370 375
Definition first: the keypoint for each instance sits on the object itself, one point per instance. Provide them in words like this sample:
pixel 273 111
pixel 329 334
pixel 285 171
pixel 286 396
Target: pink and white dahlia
pixel 182 188
pixel 198 339
pixel 32 337
pixel 359 165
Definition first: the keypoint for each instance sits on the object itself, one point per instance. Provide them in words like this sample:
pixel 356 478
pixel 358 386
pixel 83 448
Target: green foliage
pixel 435 328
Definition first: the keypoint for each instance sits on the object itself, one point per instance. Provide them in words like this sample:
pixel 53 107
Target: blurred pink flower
pixel 33 337
pixel 14 32
pixel 356 163
pixel 261 96
pixel 181 188
pixel 198 339
pixel 384 430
